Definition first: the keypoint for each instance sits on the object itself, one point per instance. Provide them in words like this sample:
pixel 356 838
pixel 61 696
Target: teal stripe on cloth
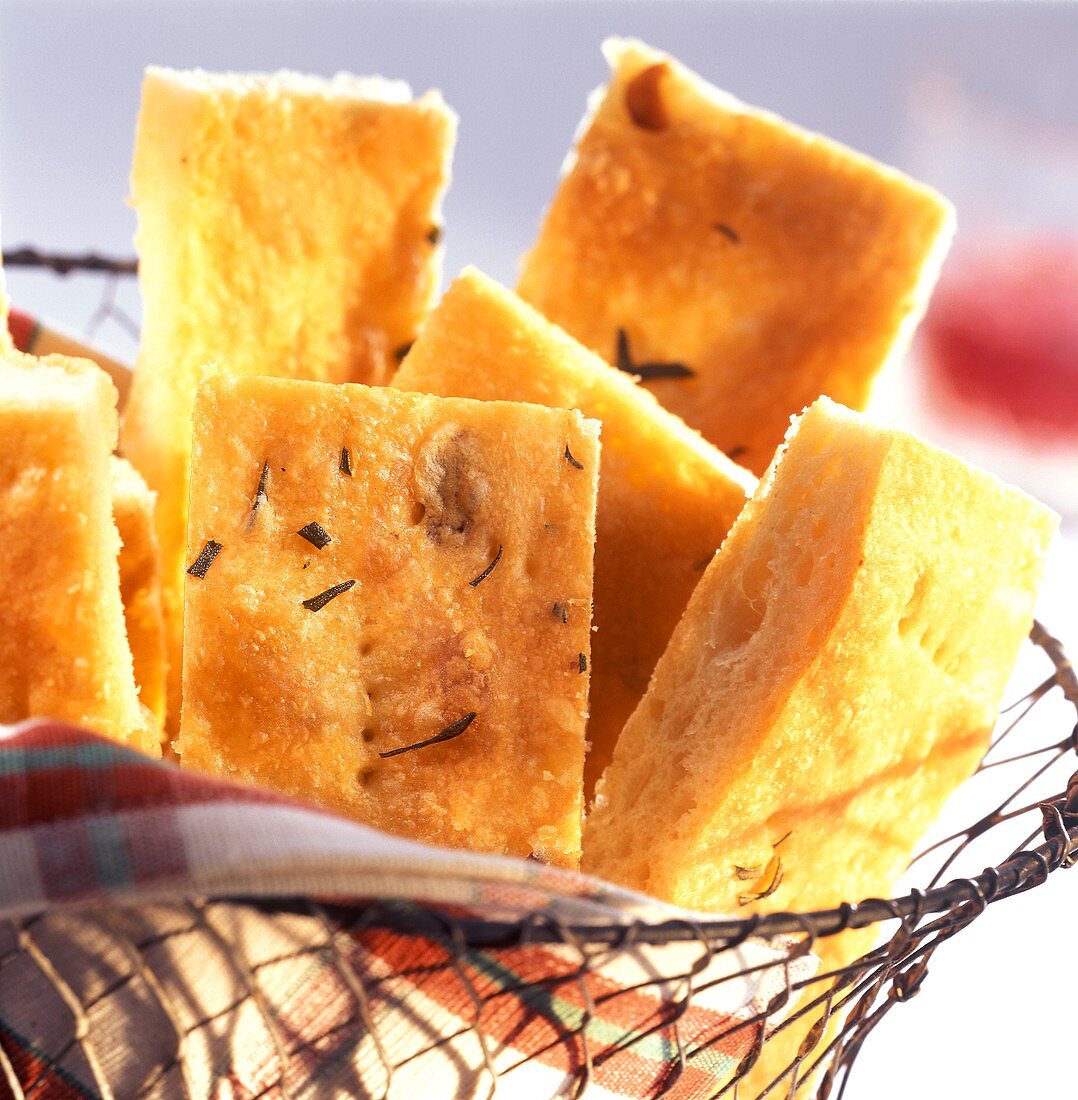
pixel 94 754
pixel 108 849
pixel 539 1000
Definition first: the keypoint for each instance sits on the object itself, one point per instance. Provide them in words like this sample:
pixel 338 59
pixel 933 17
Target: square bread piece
pixel 836 675
pixel 63 647
pixel 666 497
pixel 773 264
pixel 372 570
pixel 140 583
pixel 287 226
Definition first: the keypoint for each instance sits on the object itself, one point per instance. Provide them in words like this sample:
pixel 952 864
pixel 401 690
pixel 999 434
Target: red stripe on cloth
pixel 534 964
pixel 321 1017
pixel 47 797
pixel 525 1018
pixel 35 798
pixel 129 781
pixel 34 1073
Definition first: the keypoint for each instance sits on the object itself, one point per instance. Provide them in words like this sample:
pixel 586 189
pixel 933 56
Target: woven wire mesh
pixel 294 997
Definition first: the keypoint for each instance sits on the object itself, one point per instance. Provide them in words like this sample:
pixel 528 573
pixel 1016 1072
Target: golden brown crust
pixel 284 229
pixel 772 263
pixel 666 497
pixel 63 647
pixel 457 528
pixel 780 725
pixel 140 583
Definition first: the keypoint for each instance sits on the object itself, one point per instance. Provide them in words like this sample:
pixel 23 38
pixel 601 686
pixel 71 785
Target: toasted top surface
pixel 782 712
pixel 772 263
pixel 433 495
pixel 285 83
pixel 666 496
pixel 30 380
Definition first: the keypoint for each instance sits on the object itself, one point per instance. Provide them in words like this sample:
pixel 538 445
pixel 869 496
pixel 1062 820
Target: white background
pixel 994 1018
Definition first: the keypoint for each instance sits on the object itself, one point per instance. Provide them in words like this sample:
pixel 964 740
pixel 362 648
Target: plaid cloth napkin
pixel 139 941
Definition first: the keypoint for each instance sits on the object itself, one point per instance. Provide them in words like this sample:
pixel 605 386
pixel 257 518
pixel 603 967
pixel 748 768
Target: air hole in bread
pixel 804 567
pixel 911 612
pixel 449 484
pixel 943 655
pixel 756 578
pixel 744 616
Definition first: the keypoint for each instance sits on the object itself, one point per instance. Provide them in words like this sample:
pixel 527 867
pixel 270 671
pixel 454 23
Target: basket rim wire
pixel 852 992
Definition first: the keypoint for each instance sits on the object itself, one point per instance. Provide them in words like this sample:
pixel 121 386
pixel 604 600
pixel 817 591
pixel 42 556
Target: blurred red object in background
pixel 22 328
pixel 1002 336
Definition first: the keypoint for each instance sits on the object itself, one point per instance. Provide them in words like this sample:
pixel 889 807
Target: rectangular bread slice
pixel 140 583
pixel 368 608
pixel 666 497
pixel 63 646
pixel 835 676
pixel 742 265
pixel 287 226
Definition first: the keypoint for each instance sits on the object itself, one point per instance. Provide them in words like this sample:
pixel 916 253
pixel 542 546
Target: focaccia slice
pixel 666 497
pixel 140 583
pixel 835 676
pixel 741 265
pixel 63 646
pixel 287 226
pixel 368 603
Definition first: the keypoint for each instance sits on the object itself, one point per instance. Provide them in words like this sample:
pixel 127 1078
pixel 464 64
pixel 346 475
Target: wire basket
pixel 298 996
